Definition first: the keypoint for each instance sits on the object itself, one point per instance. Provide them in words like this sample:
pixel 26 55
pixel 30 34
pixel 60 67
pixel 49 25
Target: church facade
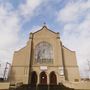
pixel 44 60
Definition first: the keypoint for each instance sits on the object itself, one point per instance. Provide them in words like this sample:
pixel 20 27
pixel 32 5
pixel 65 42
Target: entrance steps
pixel 42 87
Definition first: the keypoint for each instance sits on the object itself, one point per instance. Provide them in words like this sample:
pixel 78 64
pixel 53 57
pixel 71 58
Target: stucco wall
pixel 78 85
pixel 71 68
pixel 20 65
pixel 4 86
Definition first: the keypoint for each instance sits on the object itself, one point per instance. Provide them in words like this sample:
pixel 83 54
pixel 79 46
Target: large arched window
pixel 43 53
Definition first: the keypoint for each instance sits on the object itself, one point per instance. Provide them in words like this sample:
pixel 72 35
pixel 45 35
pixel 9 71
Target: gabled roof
pixel 45 28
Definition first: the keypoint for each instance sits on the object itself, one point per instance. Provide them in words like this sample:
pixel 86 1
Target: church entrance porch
pixel 42 87
pixel 43 78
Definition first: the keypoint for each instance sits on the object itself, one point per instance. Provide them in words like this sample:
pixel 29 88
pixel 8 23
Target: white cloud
pixel 10 26
pixel 9 29
pixel 73 11
pixel 29 8
pixel 76 32
pixel 67 14
pixel 35 28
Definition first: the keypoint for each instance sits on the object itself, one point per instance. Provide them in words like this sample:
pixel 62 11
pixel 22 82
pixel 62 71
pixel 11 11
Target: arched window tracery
pixel 43 53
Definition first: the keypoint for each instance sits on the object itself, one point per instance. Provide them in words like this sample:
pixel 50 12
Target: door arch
pixel 34 78
pixel 43 78
pixel 53 78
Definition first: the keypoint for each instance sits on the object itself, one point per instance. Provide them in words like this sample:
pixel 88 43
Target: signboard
pixel 43 68
pixel 61 71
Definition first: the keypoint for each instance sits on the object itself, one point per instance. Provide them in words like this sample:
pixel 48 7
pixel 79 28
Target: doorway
pixel 43 78
pixel 53 78
pixel 34 78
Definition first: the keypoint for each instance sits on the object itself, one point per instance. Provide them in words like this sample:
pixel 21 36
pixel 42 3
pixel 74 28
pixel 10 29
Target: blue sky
pixel 69 17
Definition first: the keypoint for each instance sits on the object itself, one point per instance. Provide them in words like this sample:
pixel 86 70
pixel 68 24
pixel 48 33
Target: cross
pixel 44 23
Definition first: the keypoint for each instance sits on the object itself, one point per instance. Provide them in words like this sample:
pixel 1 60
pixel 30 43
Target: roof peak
pixel 44 25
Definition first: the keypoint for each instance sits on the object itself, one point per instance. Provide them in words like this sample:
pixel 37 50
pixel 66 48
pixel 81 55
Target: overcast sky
pixel 69 17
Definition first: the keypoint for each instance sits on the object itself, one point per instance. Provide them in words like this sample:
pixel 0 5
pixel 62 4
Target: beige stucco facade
pixel 4 85
pixel 63 64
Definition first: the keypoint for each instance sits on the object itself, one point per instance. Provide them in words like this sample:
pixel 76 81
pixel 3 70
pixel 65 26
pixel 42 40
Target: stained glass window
pixel 43 53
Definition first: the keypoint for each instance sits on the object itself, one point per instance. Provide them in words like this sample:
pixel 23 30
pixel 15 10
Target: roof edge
pixel 68 49
pixel 42 29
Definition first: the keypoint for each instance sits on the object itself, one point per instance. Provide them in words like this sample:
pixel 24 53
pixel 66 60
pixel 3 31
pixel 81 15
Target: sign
pixel 61 71
pixel 43 68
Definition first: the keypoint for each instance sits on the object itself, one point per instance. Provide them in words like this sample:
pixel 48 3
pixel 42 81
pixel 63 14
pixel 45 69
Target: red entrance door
pixel 53 78
pixel 43 78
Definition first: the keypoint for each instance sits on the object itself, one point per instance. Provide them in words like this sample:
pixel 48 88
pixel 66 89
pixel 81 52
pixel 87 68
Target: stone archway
pixel 34 78
pixel 43 78
pixel 53 78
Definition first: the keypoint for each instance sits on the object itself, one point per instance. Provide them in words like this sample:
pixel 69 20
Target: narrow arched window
pixel 43 53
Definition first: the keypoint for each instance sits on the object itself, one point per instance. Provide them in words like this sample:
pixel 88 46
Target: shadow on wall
pixel 66 72
pixel 12 76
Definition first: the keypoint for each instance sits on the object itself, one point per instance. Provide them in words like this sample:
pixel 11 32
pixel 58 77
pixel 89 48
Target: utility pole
pixel 5 71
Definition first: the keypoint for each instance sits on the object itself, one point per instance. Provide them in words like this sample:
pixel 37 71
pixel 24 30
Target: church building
pixel 44 60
